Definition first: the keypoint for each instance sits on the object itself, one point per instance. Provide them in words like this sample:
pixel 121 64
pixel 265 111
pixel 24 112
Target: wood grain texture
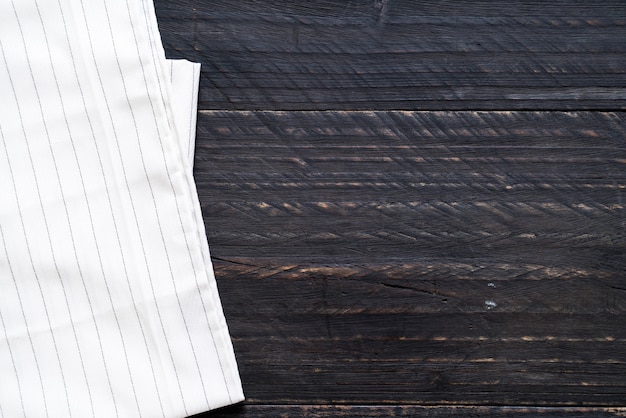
pixel 415 208
pixel 416 411
pixel 512 186
pixel 395 54
pixel 420 257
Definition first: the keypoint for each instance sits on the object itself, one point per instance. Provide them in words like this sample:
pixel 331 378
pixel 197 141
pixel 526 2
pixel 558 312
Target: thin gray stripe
pixel 156 124
pixel 67 215
pixel 87 203
pixel 32 165
pixel 149 183
pixel 177 204
pixel 43 392
pixel 131 198
pixel 4 327
pixel 116 228
pixel 155 60
pixel 60 183
pixel 200 238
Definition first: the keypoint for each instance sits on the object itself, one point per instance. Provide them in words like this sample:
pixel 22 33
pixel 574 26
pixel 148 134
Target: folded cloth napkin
pixel 108 302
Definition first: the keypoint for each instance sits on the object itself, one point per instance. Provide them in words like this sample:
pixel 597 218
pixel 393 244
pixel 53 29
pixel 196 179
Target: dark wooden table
pixel 415 208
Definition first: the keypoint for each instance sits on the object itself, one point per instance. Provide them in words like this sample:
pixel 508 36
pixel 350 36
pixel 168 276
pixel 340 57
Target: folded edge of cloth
pixel 184 77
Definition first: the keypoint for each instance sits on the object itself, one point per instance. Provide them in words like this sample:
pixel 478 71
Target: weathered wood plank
pixel 425 286
pixel 514 187
pixel 420 359
pixel 376 411
pixel 401 54
pixel 475 257
pixel 350 334
pixel 423 359
pixel 398 8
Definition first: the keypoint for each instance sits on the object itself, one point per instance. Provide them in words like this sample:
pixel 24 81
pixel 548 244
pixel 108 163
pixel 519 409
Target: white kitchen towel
pixel 108 303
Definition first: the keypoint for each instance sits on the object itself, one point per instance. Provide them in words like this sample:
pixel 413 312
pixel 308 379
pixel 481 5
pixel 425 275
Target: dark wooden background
pixel 415 208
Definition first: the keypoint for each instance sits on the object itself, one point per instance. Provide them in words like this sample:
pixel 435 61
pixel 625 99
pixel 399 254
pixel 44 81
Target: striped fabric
pixel 108 302
pixel 185 77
